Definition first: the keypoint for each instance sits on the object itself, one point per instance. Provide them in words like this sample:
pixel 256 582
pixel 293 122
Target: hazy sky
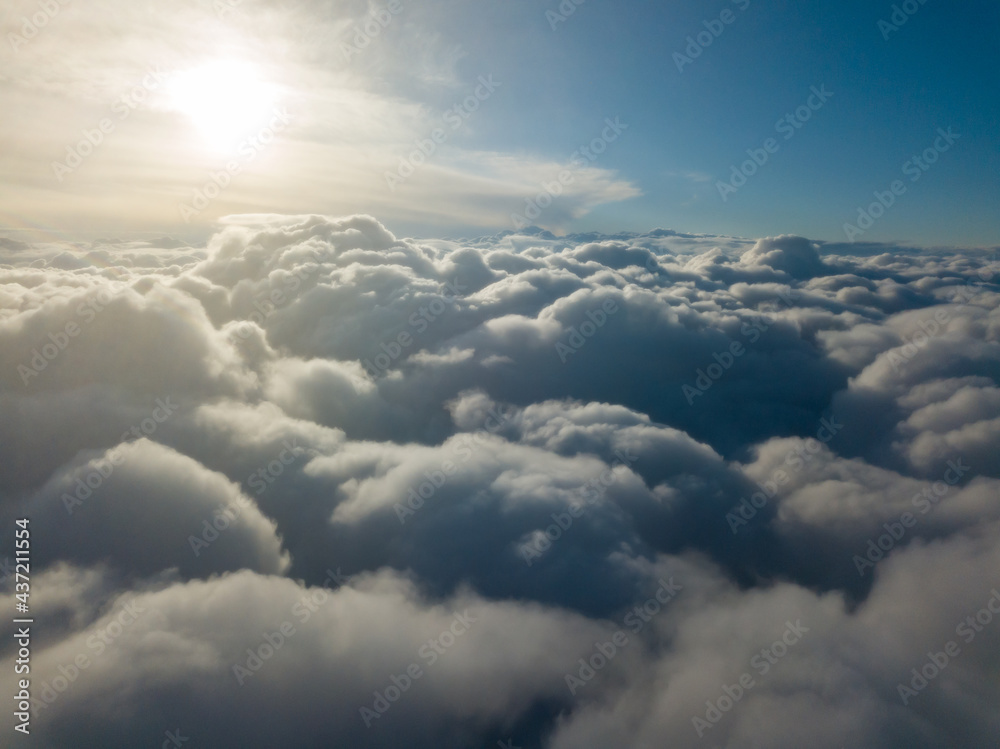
pixel 355 104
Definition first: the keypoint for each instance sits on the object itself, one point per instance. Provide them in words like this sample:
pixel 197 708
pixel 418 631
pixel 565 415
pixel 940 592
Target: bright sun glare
pixel 225 100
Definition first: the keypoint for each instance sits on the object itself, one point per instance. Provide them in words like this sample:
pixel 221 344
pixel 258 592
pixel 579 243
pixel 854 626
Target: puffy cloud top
pixel 317 484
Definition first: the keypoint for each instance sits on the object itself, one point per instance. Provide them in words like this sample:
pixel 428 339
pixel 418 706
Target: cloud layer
pixel 632 490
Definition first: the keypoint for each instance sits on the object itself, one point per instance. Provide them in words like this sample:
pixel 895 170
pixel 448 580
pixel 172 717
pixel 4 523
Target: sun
pixel 225 101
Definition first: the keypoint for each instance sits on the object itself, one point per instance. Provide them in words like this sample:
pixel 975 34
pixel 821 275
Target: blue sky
pixel 355 116
pixel 889 98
